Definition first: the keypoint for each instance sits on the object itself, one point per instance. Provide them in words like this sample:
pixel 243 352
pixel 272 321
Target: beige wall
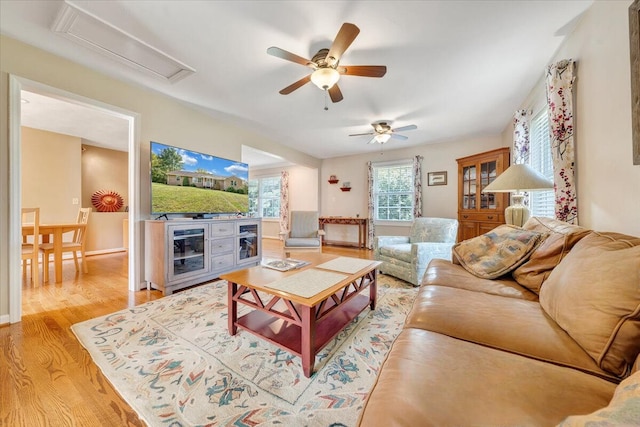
pixel 303 193
pixel 104 170
pixel 50 174
pixel 608 183
pixel 161 119
pixel 56 170
pixel 437 201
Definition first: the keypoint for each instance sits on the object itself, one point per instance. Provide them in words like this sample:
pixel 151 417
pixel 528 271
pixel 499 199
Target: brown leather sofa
pixel 549 340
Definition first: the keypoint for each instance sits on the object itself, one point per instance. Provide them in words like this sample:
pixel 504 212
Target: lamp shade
pixel 516 178
pixel 325 78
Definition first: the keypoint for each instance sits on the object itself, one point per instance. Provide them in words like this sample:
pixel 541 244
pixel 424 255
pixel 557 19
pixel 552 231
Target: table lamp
pixel 517 178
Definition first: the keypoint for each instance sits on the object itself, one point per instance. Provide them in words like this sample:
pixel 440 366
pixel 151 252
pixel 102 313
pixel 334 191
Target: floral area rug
pixel 175 363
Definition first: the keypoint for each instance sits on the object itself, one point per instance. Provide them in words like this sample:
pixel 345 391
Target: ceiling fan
pixel 325 64
pixel 382 132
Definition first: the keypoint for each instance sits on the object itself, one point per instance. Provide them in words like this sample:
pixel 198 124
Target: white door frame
pixel 16 85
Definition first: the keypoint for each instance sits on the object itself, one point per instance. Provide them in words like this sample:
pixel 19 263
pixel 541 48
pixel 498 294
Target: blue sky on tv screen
pixel 193 161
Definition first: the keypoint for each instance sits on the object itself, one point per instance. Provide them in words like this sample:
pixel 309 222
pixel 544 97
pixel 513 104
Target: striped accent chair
pixel 303 234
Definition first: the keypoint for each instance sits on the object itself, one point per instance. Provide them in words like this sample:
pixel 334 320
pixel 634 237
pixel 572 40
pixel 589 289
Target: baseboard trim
pixel 104 251
pixel 4 320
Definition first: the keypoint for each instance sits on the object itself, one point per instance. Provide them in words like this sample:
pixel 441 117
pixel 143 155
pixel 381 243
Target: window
pixel 541 203
pixel 393 191
pixel 264 197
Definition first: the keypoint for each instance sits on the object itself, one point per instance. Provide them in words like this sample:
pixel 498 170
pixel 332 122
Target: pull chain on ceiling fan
pixel 325 65
pixel 382 132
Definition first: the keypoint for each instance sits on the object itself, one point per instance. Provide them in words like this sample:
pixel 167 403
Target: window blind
pixel 541 203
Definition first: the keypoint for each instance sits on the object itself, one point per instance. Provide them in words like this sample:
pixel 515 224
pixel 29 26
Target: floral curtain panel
pixel 370 207
pixel 559 84
pixel 284 201
pixel 521 142
pixel 417 180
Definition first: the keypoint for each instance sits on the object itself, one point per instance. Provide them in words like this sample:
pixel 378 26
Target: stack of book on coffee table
pixel 285 264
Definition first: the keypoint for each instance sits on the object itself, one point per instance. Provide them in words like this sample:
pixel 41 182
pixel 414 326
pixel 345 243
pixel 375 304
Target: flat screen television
pixel 196 184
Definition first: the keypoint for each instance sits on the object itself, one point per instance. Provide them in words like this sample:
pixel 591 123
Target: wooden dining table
pixel 57 231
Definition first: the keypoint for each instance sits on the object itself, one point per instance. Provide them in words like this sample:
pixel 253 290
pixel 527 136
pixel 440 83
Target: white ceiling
pixel 455 68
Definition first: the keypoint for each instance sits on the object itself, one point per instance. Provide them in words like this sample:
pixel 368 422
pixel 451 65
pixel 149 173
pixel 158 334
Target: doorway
pixel 16 87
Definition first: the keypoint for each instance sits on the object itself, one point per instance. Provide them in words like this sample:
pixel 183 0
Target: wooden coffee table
pixel 294 320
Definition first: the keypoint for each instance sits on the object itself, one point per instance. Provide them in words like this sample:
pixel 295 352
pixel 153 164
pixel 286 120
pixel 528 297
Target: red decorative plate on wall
pixel 106 201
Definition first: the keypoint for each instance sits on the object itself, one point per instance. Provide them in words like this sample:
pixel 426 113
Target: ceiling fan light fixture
pixel 382 137
pixel 325 78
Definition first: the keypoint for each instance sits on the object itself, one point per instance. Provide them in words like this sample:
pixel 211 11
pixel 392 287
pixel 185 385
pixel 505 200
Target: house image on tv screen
pixel 205 180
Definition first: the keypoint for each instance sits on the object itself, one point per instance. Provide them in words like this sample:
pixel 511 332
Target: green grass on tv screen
pixel 178 199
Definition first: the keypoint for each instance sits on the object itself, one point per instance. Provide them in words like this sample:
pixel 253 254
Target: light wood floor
pixel 46 376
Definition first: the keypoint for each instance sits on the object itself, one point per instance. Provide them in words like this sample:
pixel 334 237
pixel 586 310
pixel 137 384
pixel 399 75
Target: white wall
pixel 608 183
pixel 437 201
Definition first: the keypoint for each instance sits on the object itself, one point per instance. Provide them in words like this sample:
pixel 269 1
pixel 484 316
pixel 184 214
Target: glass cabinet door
pixel 469 187
pixel 188 256
pixel 247 242
pixel 488 172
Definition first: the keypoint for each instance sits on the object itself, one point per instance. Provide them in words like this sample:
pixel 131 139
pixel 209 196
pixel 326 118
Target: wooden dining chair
pixel 31 250
pixel 77 244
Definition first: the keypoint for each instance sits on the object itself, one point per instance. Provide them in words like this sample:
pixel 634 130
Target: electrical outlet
pixel 74 201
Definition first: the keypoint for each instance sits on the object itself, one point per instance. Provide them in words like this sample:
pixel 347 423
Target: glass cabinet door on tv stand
pixel 248 237
pixel 189 256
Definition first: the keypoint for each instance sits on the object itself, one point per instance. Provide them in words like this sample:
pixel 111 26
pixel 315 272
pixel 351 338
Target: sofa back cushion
pixel 594 295
pixel 497 252
pixel 437 230
pixel 561 237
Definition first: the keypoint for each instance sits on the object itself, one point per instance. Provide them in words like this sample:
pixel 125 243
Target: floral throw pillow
pixel 497 252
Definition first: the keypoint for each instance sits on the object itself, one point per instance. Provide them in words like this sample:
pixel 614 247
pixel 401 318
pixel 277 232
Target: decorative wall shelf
pixel 333 181
pixel 345 188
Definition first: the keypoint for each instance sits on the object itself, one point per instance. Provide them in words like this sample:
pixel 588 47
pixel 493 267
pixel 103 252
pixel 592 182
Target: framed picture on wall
pixel 437 178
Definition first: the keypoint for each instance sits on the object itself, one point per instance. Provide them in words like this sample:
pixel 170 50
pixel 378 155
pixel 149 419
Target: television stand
pixel 182 253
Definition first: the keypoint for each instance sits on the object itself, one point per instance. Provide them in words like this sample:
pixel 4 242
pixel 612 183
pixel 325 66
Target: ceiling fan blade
pixel 335 94
pixel 362 134
pixel 398 136
pixel 405 128
pixel 363 70
pixel 283 54
pixel 343 40
pixel 303 81
pixel 372 141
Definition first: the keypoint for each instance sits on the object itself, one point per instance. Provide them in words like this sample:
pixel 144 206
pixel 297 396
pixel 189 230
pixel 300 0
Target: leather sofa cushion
pixel 497 252
pixel 594 295
pixel 561 237
pixel 444 273
pixel 623 410
pixel 508 324
pixel 430 379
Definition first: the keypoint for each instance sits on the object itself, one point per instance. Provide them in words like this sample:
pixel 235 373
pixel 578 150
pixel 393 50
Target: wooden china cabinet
pixel 480 212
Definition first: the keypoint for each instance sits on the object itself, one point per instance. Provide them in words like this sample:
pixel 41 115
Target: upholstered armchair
pixel 303 234
pixel 407 257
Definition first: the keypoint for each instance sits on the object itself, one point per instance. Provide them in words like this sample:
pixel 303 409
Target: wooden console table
pixel 346 220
